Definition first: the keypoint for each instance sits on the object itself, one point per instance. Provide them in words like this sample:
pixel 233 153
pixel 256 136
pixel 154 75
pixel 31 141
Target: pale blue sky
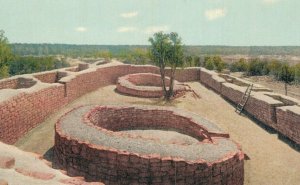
pixel 198 22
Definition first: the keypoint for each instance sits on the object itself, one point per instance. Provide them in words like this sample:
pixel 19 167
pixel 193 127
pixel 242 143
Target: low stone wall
pixel 211 79
pixel 20 114
pixel 101 153
pixel 288 120
pixel 267 107
pixel 27 100
pixel 50 77
pixel 147 85
pixel 17 83
pixel 187 74
pixel 23 109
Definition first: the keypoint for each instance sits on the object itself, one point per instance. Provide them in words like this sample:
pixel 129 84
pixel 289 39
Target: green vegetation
pixel 136 56
pixel 279 70
pixel 166 50
pixel 214 63
pixel 257 68
pixel 29 58
pixel 286 74
pixel 115 50
pixel 5 55
pixel 239 66
pixel 11 64
pixel 25 65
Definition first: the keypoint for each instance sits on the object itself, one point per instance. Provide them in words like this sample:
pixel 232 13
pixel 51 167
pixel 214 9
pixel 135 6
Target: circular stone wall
pixel 145 85
pixel 87 143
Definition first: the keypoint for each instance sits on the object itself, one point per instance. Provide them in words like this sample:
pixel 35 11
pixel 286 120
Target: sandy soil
pixel 30 162
pixel 272 161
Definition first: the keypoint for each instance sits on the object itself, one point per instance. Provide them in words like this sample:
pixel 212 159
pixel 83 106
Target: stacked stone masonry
pixel 27 100
pixel 147 85
pixel 277 111
pixel 104 154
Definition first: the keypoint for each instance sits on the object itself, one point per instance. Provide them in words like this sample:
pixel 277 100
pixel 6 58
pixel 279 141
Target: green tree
pixel 286 75
pixel 5 55
pixel 274 67
pixel 297 73
pixel 239 66
pixel 197 61
pixel 189 60
pixel 209 64
pixel 219 65
pixel 166 50
pixel 106 54
pixel 140 55
pixel 257 68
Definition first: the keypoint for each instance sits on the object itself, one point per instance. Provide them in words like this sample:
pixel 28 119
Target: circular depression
pixel 88 143
pixel 146 85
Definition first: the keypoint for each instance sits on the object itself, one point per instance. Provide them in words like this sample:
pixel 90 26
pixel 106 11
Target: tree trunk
pixel 171 85
pixel 162 75
pixel 285 88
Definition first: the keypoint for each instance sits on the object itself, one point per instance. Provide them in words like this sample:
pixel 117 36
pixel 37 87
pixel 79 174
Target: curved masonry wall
pixel 99 153
pixel 147 85
pixel 25 107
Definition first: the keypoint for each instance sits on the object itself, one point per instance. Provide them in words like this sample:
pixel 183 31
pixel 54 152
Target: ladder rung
pixel 240 106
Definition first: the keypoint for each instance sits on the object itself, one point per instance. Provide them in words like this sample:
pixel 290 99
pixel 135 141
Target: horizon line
pixel 206 45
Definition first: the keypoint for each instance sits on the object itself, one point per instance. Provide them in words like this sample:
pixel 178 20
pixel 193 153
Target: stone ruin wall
pixel 161 170
pixel 277 111
pixel 113 166
pixel 24 107
pixel 147 85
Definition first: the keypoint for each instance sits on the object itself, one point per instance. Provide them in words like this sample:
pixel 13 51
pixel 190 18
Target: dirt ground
pixel 276 86
pixel 272 161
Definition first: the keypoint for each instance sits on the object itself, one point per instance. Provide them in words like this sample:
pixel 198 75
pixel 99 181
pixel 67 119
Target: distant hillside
pixel 116 50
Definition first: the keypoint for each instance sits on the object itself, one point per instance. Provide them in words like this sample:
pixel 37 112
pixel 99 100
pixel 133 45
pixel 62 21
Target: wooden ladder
pixel 240 106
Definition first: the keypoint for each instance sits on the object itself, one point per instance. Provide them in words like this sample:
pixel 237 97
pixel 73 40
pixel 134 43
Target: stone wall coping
pixel 294 108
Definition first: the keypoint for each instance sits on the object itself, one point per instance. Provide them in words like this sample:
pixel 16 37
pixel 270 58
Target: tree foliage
pixel 214 63
pixel 5 55
pixel 166 51
pixel 239 66
pixel 257 67
pixel 25 65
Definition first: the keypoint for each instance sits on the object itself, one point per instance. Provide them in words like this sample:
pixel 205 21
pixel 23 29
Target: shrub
pixel 239 66
pixel 274 68
pixel 214 62
pixel 286 73
pixel 297 73
pixel 257 68
pixel 209 64
pixel 219 65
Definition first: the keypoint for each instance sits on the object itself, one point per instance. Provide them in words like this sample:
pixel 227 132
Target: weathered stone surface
pixel 7 162
pixel 35 174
